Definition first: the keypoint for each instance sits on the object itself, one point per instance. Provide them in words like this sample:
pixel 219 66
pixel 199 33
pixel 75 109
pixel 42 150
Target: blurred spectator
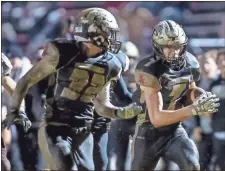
pixel 140 32
pixel 67 28
pixel 203 131
pixel 133 54
pixel 171 13
pixel 218 119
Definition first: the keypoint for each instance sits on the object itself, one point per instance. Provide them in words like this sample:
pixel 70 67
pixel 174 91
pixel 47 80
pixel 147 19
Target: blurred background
pixel 27 26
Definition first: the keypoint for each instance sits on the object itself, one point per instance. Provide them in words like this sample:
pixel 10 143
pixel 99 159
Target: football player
pixel 164 80
pixel 121 130
pixel 119 95
pixel 108 145
pixel 9 84
pixel 85 66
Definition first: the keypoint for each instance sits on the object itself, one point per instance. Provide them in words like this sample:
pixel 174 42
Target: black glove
pixel 17 117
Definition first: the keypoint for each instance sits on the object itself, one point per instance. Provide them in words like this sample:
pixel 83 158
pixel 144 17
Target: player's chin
pixel 192 95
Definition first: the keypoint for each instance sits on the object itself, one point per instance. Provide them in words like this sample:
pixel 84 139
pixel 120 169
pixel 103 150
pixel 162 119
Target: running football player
pixel 85 66
pixel 164 80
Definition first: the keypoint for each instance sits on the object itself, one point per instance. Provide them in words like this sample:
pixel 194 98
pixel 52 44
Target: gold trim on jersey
pixel 90 67
pixel 80 78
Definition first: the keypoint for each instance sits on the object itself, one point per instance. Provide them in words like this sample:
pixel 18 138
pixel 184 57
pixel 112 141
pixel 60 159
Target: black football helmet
pixel 167 33
pixel 99 27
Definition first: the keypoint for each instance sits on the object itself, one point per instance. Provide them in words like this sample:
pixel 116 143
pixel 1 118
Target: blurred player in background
pixel 9 85
pixel 85 67
pixel 164 79
pixel 120 95
pixel 121 130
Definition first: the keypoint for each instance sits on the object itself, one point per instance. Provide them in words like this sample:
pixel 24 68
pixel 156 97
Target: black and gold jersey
pixel 151 72
pixel 78 81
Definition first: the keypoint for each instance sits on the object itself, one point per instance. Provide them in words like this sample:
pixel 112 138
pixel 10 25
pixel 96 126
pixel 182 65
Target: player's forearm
pixel 106 111
pixel 168 117
pixel 122 92
pixel 160 117
pixel 110 111
pixel 38 72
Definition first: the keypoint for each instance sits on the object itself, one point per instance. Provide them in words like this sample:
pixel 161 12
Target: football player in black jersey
pixel 120 96
pixel 163 79
pixel 85 66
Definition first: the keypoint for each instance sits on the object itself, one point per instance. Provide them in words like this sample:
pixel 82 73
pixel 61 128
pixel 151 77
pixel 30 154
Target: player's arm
pixel 39 71
pixel 150 86
pixel 104 107
pixel 121 91
pixel 157 115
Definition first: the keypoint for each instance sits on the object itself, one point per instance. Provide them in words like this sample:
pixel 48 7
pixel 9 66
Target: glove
pixel 128 112
pixel 207 103
pixel 17 117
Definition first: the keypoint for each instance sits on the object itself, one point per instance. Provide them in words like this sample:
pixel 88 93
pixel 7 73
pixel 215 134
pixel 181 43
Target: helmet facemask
pixel 107 39
pixel 173 62
pixel 168 34
pixel 99 31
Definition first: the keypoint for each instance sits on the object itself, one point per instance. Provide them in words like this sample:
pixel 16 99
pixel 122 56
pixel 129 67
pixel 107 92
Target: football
pixel 192 94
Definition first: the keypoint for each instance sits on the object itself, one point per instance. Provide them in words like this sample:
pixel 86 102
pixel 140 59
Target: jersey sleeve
pixel 6 66
pixel 124 60
pixel 146 74
pixel 67 50
pixel 121 91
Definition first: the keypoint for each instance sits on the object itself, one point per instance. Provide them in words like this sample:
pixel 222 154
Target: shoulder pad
pixel 192 61
pixel 194 66
pixel 6 66
pixel 67 49
pixel 65 45
pixel 148 72
pixel 124 60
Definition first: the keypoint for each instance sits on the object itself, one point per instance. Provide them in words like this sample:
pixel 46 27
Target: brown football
pixel 192 94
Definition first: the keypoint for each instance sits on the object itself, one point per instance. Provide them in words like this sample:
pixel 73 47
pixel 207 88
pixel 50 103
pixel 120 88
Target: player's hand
pixel 207 103
pixel 17 117
pixel 129 111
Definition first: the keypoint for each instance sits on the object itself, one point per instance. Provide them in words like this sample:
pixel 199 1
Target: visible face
pixel 221 62
pixel 208 65
pixel 172 53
